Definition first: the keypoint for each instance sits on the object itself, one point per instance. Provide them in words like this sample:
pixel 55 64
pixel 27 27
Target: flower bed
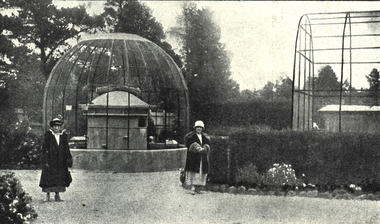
pixel 327 160
pixel 337 194
pixel 14 202
pixel 281 180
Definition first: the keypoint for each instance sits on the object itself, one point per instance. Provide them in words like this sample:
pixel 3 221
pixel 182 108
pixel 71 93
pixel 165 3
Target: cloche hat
pixel 56 121
pixel 199 124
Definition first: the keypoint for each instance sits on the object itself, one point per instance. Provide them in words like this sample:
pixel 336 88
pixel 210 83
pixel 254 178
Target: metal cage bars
pixel 303 92
pixel 58 93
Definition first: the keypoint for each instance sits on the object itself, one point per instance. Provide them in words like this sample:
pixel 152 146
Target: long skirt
pixel 193 178
pixel 54 189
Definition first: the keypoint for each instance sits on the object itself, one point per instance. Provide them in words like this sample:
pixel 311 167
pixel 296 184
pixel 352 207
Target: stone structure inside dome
pixel 124 104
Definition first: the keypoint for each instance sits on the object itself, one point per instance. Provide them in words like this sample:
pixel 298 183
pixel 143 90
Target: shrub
pixel 19 146
pixel 219 169
pixel 281 176
pixel 248 176
pixel 15 204
pixel 273 114
pixel 328 159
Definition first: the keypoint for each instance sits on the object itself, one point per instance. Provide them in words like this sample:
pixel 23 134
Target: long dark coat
pixel 193 159
pixel 55 161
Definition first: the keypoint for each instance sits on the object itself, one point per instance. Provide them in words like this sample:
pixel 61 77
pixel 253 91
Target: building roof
pixel 119 98
pixel 350 108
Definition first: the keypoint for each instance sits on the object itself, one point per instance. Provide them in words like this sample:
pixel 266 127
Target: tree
pixel 43 26
pixel 374 87
pixel 33 38
pixel 284 89
pixel 7 75
pixel 132 16
pixel 28 89
pixel 279 91
pixel 326 80
pixel 268 91
pixel 206 61
pixel 248 95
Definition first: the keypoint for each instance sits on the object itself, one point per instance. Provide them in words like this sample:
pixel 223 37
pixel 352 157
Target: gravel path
pixel 103 197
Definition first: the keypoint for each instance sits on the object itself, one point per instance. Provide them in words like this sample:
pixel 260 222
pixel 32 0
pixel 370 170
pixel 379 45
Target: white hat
pixel 199 124
pixel 56 121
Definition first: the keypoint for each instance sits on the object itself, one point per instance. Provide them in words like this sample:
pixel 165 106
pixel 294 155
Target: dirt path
pixel 98 197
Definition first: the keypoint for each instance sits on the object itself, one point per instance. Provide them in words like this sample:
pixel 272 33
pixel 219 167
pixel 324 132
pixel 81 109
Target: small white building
pixel 122 117
pixel 354 118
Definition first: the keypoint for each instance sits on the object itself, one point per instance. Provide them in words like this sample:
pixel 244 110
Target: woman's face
pixel 56 128
pixel 198 130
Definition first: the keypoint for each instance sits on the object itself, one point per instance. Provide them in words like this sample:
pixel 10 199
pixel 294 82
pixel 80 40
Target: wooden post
pixel 228 162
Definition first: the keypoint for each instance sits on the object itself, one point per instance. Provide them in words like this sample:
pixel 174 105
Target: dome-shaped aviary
pixel 103 65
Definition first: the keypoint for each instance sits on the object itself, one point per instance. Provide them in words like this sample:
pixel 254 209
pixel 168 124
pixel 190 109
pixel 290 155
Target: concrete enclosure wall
pixel 129 160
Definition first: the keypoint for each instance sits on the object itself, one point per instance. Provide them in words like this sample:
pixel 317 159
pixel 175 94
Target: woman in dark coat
pixel 197 164
pixel 56 158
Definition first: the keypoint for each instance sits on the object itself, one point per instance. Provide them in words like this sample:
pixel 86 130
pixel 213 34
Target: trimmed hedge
pixel 274 114
pixel 327 160
pixel 218 172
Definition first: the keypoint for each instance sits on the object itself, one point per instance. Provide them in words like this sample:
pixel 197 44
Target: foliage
pixel 374 87
pixel 280 176
pixel 327 159
pixel 27 88
pixel 7 53
pixel 40 24
pixel 268 92
pixel 132 17
pixel 326 80
pixel 206 61
pixel 19 146
pixel 219 162
pixel 33 38
pixel 135 17
pixel 251 113
pixel 249 176
pixel 327 91
pixel 373 79
pixel 279 91
pixel 15 204
pixel 284 88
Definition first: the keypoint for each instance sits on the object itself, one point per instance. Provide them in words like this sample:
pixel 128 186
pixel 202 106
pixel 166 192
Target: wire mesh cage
pixel 345 45
pixel 118 91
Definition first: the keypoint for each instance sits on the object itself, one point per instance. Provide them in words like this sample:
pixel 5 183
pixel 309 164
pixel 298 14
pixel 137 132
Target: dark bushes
pixel 327 160
pixel 15 204
pixel 19 146
pixel 219 162
pixel 274 114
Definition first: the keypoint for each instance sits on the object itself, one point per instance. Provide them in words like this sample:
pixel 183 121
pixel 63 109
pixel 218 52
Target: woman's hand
pixel 195 147
pixel 202 151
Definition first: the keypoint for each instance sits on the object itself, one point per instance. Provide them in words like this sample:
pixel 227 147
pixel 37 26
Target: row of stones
pixel 336 194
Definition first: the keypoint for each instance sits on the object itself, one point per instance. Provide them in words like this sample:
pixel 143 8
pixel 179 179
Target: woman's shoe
pixel 192 191
pixel 57 198
pixel 47 197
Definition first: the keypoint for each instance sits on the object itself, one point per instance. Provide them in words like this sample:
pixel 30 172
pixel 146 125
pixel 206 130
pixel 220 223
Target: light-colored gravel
pixel 104 197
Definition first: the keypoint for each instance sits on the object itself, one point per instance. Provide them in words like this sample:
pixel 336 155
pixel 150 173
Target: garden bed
pixel 339 193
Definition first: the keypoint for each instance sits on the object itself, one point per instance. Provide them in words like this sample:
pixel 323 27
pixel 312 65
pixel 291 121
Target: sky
pixel 260 35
